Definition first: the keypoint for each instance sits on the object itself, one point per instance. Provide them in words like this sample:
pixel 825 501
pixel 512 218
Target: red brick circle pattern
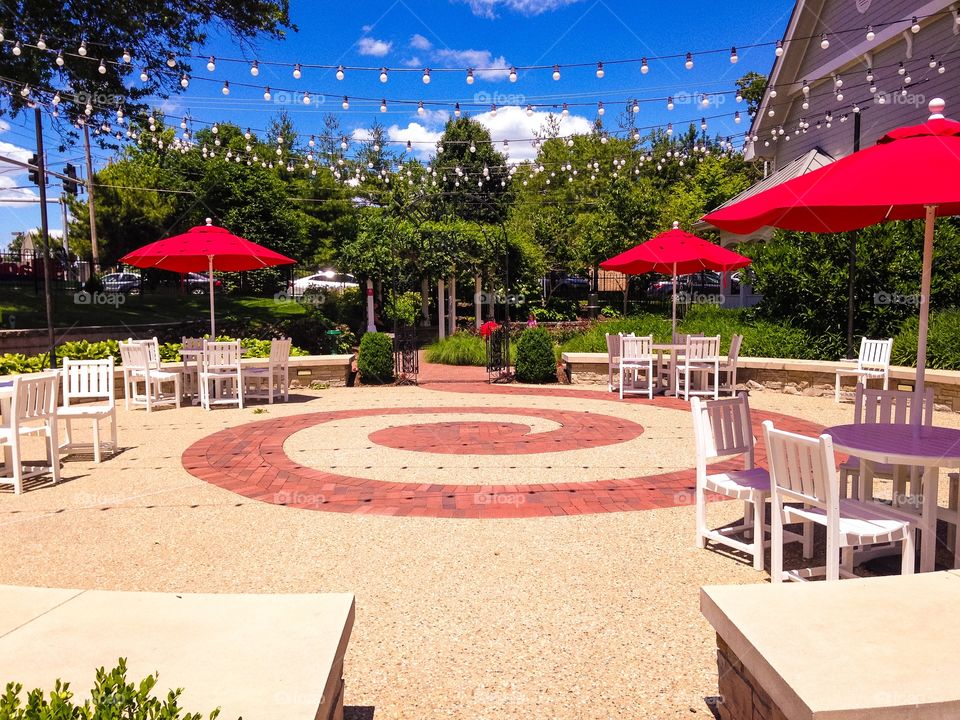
pixel 250 461
pixel 577 430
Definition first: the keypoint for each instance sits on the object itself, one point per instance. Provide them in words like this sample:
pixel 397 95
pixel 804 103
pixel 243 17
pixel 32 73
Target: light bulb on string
pixel 255 68
pixel 41 43
pixel 513 74
pixel 493 110
pixel 297 72
pixel 456 110
pixel 940 68
pixel 739 97
pixel 635 108
pixel 703 123
pixel 266 93
pixel 733 55
pixel 56 98
pixel 420 108
pixel 870 75
pixel 824 42
pixel 871 35
pixel 346 103
pixel 383 106
pixel 184 81
pixel 779 49
pixel 212 64
pixel 839 96
pixel 226 87
pixel 82 50
pixel 383 75
pixel 17 49
pixel 566 111
pixel 736 117
pixel 933 62
pixel 340 72
pixel 426 76
pixel 306 98
pixel 556 72
pixel 600 72
pixel 901 70
pixel 529 110
pixel 704 101
pixel 600 108
pixel 469 77
pixel 59 59
pixel 171 60
pixel 644 68
pixel 143 75
pixel 915 26
pixel 688 64
pixel 805 88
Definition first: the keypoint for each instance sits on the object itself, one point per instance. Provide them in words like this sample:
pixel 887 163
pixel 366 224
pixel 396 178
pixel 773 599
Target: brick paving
pixel 250 460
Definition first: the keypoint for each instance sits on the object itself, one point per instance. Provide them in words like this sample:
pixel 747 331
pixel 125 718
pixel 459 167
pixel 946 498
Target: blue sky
pixel 462 33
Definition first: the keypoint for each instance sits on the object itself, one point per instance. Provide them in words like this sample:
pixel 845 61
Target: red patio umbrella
pixel 675 252
pixel 911 173
pixel 205 248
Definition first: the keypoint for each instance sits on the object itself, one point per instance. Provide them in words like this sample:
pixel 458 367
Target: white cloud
pixel 360 135
pixel 413 62
pixel 423 139
pixel 497 68
pixel 9 191
pixel 488 8
pixel 373 47
pixel 435 117
pixel 419 42
pixel 512 123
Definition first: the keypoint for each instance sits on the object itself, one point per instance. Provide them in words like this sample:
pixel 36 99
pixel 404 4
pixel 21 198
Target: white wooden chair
pixel 138 367
pixel 884 406
pixel 92 383
pixel 191 367
pixel 221 369
pixel 266 383
pixel 722 429
pixel 728 367
pixel 802 471
pixel 613 359
pixel 701 357
pixel 872 362
pixel 33 411
pixel 637 360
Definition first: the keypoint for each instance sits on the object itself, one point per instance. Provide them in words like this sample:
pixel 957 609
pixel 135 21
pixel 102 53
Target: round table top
pixel 897 443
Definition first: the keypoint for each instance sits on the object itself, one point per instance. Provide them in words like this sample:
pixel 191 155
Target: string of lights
pixel 83 46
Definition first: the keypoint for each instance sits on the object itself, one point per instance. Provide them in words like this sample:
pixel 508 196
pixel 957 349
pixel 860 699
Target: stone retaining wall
pixel 792 377
pixel 741 696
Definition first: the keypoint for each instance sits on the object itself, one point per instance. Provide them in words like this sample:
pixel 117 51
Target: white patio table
pixel 673 350
pixel 928 447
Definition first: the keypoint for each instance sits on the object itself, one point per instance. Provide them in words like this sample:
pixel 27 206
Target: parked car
pixel 121 282
pixel 199 283
pixel 325 280
pixel 706 282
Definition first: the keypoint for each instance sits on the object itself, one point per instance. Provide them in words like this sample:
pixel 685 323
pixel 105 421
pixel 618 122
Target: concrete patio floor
pixel 590 615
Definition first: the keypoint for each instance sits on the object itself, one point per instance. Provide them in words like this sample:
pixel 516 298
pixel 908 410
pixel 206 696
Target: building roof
pixel 811 160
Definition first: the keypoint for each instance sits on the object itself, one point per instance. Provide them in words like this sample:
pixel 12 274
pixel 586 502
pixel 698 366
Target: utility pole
pixel 41 178
pixel 94 250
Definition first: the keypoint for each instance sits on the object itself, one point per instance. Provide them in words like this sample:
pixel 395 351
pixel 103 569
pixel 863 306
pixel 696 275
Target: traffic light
pixel 34 171
pixel 70 186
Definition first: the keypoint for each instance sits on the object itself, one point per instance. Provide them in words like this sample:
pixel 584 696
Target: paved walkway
pixel 250 459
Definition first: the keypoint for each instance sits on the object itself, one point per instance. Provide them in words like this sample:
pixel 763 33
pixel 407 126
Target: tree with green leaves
pixel 130 39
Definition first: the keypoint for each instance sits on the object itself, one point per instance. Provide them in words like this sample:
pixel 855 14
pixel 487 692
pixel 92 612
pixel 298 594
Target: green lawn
pixel 25 309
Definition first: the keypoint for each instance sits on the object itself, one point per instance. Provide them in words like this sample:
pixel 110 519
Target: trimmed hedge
pixel 536 362
pixel 375 360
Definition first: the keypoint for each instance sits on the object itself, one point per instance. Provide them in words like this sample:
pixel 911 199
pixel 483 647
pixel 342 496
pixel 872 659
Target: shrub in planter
pixel 375 360
pixel 111 697
pixel 535 358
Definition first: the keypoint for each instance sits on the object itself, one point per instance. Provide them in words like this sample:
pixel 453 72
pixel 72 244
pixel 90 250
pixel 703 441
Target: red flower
pixel 488 327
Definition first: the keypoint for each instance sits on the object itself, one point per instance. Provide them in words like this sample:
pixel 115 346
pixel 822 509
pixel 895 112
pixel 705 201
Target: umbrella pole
pixel 674 318
pixel 213 320
pixel 931 218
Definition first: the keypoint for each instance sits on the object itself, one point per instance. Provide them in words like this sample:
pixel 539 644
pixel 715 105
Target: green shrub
pixel 112 698
pixel 405 310
pixel 461 348
pixel 594 340
pixel 943 341
pixel 535 359
pixel 375 361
